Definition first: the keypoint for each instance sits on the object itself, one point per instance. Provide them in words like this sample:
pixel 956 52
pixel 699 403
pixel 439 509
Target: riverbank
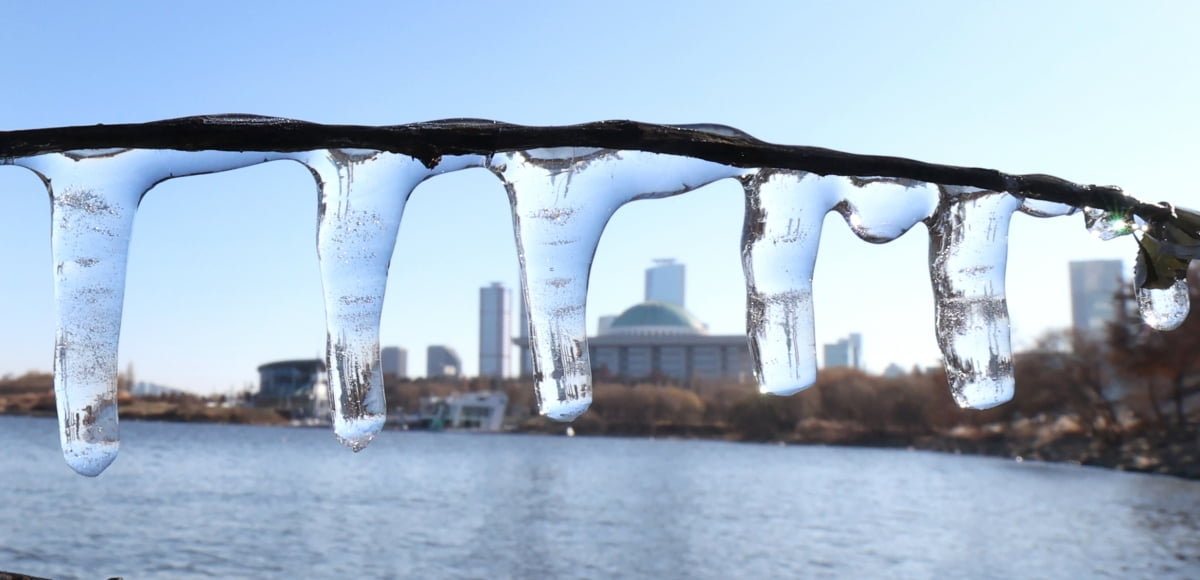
pixel 1175 453
pixel 1060 439
pixel 183 410
pixel 1054 439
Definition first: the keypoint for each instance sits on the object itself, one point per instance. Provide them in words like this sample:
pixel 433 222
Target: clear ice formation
pixel 1161 309
pixel 968 252
pixel 785 211
pixel 1106 226
pixel 362 197
pixel 561 200
pixel 881 209
pixel 1045 209
pixel 782 233
pixel 93 196
pixel 1164 309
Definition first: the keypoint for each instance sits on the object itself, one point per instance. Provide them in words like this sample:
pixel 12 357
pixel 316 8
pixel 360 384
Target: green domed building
pixel 656 318
pixel 662 339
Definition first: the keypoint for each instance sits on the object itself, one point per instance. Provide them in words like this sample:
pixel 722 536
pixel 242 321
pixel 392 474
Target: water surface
pixel 208 501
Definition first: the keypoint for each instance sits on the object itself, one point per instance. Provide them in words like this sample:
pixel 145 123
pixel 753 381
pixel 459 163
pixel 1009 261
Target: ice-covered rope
pixel 563 184
pixel 429 141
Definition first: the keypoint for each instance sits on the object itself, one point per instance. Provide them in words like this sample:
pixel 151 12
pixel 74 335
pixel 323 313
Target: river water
pixel 214 501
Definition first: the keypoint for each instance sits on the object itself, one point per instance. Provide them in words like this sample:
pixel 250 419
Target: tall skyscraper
pixel 1094 283
pixel 441 362
pixel 846 352
pixel 664 282
pixel 495 331
pixel 394 360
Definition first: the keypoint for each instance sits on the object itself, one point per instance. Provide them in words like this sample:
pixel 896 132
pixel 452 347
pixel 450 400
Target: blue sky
pixel 222 272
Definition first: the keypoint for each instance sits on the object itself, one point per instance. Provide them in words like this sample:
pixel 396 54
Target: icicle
pixel 94 195
pixel 561 200
pixel 968 249
pixel 880 209
pixel 784 214
pixel 362 199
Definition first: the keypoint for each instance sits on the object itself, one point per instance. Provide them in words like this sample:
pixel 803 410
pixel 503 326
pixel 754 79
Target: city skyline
pixel 222 271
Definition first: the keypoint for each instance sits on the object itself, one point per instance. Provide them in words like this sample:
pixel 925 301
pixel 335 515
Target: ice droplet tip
pixel 985 397
pixel 784 389
pixel 566 412
pixel 357 433
pixel 355 445
pixel 984 405
pixel 90 459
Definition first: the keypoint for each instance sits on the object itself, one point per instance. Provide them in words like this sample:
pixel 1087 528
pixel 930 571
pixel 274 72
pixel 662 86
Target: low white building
pixel 481 411
pixel 297 388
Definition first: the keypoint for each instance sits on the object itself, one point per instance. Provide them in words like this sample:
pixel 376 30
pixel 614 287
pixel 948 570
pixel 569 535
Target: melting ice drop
pixel 968 251
pixel 1164 309
pixel 1161 309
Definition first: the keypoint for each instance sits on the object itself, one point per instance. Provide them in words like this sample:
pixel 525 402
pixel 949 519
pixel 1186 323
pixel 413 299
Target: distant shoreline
pixel 1175 455
pixel 1054 439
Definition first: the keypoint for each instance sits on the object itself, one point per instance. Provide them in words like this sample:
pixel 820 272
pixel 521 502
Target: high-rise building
pixel 664 282
pixel 394 360
pixel 441 362
pixel 1094 285
pixel 495 331
pixel 846 352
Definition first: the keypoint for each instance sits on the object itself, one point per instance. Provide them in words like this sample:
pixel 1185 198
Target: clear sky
pixel 223 274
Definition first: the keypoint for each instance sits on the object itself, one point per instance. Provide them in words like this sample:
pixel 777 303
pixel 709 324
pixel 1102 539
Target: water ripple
pixel 203 501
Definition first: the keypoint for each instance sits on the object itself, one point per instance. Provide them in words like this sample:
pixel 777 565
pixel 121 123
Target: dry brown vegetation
pixel 33 394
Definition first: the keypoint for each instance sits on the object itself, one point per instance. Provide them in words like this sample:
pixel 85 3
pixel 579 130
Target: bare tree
pixel 1149 359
